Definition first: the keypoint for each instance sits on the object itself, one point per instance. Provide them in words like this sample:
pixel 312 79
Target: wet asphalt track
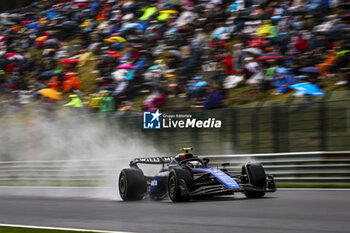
pixel 284 211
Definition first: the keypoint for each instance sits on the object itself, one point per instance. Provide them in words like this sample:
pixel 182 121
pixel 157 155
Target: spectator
pixel 214 99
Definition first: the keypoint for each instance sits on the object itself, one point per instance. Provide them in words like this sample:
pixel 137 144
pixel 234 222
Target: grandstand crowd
pixel 104 54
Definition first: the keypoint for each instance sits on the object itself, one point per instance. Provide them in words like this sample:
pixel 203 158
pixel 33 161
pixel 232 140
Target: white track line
pixel 60 228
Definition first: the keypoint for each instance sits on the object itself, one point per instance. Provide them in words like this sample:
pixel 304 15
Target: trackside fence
pixel 315 125
pixel 298 167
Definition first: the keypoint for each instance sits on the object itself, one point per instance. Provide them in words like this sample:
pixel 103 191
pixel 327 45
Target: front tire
pixel 176 176
pixel 257 177
pixel 132 184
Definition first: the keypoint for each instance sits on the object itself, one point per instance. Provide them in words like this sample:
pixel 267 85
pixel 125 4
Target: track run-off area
pixel 284 211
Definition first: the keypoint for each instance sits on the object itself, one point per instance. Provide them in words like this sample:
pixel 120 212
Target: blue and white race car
pixel 186 176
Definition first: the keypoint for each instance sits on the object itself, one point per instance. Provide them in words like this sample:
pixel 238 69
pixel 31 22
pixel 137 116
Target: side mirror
pixel 225 164
pixel 205 161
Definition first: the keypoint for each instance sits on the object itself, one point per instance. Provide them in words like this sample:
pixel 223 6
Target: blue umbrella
pixel 33 26
pixel 281 70
pixel 95 4
pixel 218 32
pixel 309 69
pixel 52 15
pixel 46 75
pixel 307 88
pixel 131 25
pixel 200 84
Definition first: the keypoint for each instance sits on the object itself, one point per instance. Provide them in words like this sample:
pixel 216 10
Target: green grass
pixel 30 230
pixel 313 185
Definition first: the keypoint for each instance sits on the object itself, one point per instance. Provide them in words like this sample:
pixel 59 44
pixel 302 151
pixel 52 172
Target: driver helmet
pixel 194 164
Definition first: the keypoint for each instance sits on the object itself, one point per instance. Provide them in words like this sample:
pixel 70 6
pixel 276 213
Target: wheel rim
pixel 122 185
pixel 172 185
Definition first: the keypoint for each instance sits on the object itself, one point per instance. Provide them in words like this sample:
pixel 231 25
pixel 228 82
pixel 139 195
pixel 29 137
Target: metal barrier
pixel 317 125
pixel 301 167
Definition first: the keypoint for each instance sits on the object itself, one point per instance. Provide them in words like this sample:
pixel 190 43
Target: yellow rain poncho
pixel 75 102
pixel 267 30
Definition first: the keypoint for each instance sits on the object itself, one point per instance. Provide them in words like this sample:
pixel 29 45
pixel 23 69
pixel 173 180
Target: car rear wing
pixel 150 160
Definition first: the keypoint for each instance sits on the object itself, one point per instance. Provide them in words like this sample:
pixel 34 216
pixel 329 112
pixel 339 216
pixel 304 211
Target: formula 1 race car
pixel 186 176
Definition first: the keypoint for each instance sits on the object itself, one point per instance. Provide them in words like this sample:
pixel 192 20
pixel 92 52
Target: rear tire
pixel 174 190
pixel 257 177
pixel 132 184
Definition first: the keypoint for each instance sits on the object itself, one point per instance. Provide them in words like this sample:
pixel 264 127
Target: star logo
pixel 156 115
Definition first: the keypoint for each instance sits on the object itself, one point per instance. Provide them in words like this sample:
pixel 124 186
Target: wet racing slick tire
pixel 174 183
pixel 132 184
pixel 257 177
